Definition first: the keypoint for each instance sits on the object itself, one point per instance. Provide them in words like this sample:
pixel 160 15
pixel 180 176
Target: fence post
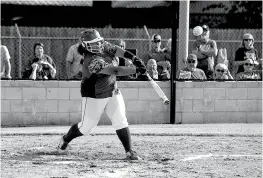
pixel 19 62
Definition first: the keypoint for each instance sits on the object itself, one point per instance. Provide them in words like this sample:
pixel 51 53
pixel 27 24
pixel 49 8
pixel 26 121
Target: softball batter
pixel 99 91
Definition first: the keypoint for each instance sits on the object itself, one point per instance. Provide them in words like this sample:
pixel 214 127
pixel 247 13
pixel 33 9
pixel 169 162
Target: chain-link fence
pixel 58 40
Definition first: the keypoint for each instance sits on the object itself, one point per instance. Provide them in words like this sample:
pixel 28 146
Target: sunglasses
pixel 157 41
pixel 191 62
pixel 222 71
pixel 248 39
pixel 248 64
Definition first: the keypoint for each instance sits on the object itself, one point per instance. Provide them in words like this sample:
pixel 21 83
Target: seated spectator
pixel 190 71
pixel 259 68
pixel 205 49
pixel 5 63
pixel 152 69
pixel 164 70
pixel 246 50
pixel 74 61
pixel 41 66
pixel 222 72
pixel 248 73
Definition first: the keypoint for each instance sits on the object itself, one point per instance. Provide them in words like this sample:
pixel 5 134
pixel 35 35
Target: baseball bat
pixel 149 37
pixel 158 90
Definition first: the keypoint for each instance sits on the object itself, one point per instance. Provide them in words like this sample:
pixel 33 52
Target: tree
pixel 249 13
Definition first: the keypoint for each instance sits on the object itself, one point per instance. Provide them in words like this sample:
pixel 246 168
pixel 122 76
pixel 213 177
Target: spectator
pixel 74 61
pixel 164 70
pixel 205 49
pixel 168 50
pixel 152 69
pixel 42 66
pixel 191 72
pixel 156 52
pixel 222 72
pixel 124 62
pixel 258 68
pixel 248 73
pixel 246 50
pixel 5 63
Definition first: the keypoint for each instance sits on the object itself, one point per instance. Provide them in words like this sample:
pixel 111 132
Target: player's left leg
pixel 116 111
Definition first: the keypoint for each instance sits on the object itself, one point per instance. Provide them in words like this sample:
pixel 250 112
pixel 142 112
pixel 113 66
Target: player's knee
pixel 121 125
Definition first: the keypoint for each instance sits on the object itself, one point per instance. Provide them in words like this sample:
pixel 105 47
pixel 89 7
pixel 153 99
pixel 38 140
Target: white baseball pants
pixel 93 108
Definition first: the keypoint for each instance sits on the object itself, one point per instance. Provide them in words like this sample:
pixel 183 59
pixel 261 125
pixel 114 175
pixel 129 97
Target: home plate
pixel 211 155
pixel 197 157
pixel 64 162
pixel 37 148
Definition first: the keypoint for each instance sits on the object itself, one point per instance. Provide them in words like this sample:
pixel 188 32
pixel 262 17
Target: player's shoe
pixel 132 155
pixel 63 146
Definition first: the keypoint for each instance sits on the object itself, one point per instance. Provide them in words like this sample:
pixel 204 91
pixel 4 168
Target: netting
pixel 58 40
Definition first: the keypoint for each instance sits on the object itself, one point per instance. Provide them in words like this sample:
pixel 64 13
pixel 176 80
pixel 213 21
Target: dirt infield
pixel 102 155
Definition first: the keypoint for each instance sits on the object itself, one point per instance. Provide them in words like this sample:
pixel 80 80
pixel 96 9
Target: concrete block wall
pixel 219 102
pixel 59 102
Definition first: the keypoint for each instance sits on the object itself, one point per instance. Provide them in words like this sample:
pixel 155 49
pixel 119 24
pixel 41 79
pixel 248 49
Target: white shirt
pixel 5 56
pixel 73 59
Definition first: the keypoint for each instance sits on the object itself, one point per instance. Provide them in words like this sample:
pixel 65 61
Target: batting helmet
pixel 92 41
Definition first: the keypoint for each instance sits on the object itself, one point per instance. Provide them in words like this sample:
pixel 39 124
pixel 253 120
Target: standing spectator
pixel 248 73
pixel 156 52
pixel 5 63
pixel 41 66
pixel 168 50
pixel 246 50
pixel 190 71
pixel 205 49
pixel 222 72
pixel 124 62
pixel 74 62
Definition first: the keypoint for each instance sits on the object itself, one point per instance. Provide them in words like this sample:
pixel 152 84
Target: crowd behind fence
pixel 58 40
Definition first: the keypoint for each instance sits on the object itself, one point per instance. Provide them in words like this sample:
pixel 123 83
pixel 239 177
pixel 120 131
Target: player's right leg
pixel 92 110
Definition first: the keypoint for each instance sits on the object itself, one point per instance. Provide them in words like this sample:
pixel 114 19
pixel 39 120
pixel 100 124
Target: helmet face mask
pixel 92 41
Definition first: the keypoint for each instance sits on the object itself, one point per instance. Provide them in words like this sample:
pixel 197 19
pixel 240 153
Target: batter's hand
pixel 140 66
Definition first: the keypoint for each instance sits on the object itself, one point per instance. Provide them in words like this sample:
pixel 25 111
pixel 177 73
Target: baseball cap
pixel 248 36
pixel 156 38
pixel 205 28
pixel 192 57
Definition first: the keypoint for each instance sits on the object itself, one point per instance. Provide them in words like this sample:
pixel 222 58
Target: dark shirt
pixel 45 69
pixel 243 53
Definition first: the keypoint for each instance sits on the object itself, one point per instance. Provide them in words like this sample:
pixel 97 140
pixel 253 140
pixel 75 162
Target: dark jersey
pixel 95 85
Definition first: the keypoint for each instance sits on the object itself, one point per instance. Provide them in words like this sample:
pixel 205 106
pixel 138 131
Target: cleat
pixel 132 155
pixel 63 146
